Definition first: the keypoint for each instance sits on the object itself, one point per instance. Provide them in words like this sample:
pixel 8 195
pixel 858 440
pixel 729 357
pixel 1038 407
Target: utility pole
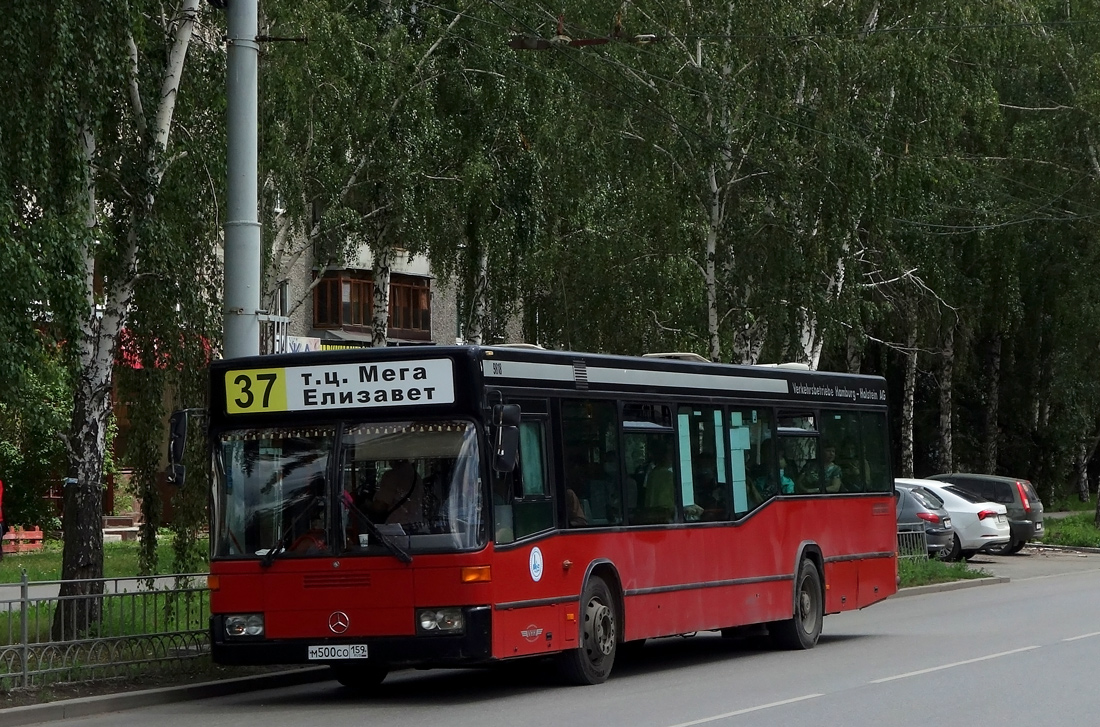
pixel 242 268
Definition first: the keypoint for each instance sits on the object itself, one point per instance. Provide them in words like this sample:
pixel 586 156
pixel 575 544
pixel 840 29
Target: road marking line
pixel 1083 636
pixel 717 717
pixel 949 666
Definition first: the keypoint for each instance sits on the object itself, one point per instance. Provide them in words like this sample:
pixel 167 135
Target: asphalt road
pixel 1022 652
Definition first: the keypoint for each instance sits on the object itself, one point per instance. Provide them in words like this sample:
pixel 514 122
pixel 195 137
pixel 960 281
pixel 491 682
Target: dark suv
pixel 1025 510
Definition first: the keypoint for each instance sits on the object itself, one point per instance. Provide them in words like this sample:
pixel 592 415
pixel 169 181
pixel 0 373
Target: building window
pixel 345 299
pixel 326 303
pixel 410 307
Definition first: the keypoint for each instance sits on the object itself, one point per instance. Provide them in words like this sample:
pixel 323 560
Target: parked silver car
pixel 920 505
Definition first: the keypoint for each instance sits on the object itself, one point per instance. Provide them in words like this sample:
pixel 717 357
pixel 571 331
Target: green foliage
pixel 32 454
pixel 1077 530
pixel 926 571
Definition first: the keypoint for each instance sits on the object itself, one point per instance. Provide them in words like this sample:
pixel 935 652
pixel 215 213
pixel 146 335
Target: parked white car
pixel 979 525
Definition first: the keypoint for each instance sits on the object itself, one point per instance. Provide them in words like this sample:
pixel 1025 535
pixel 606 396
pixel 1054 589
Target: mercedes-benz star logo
pixel 338 622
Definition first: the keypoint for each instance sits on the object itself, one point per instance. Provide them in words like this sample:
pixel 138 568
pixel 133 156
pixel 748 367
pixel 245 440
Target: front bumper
pixel 473 646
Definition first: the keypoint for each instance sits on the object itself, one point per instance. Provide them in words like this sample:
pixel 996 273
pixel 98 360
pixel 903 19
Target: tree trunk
pixel 1081 470
pixel 947 383
pixel 710 278
pixel 477 305
pixel 749 339
pixel 908 401
pixel 82 504
pixel 992 400
pixel 383 265
pixel 853 351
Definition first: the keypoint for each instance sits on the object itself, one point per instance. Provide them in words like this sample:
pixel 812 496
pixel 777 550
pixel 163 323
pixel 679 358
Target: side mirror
pixel 506 437
pixel 506 415
pixel 177 441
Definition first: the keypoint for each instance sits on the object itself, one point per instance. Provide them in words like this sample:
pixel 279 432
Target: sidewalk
pixel 87 706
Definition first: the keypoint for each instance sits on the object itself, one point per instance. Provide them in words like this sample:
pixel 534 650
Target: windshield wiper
pixel 279 547
pixel 396 550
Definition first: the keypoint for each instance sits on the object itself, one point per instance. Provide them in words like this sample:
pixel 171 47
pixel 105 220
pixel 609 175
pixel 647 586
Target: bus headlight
pixel 245 624
pixel 440 620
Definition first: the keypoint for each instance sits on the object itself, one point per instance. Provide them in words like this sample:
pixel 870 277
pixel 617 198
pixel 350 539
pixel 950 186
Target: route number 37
pixel 251 391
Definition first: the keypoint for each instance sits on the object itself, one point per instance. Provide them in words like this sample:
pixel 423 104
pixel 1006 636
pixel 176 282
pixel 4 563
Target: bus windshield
pixel 402 486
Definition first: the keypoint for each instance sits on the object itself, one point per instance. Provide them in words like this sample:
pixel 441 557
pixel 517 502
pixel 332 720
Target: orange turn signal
pixel 570 617
pixel 213 583
pixel 476 574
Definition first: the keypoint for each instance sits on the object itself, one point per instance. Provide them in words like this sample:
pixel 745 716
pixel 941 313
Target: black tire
pixel 365 679
pixel 968 554
pixel 803 629
pixel 953 553
pixel 591 663
pixel 1016 547
pixel 1009 548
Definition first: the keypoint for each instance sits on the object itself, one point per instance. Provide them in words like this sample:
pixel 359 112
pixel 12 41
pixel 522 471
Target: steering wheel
pixel 310 540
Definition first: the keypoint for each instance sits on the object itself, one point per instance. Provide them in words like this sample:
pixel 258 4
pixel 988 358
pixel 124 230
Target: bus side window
pixel 841 433
pixel 752 458
pixel 530 508
pixel 875 448
pixel 592 494
pixel 704 485
pixel 649 444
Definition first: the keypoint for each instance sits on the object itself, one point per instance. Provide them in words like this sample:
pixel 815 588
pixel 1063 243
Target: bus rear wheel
pixel 803 629
pixel 364 679
pixel 592 662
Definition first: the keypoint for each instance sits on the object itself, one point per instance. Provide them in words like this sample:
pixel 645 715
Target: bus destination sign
pixel 339 386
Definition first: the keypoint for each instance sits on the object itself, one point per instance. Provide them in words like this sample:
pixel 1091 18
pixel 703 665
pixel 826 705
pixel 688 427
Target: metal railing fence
pixel 912 540
pixel 115 628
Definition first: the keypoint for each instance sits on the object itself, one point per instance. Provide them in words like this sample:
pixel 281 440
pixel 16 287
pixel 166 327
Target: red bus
pixel 378 509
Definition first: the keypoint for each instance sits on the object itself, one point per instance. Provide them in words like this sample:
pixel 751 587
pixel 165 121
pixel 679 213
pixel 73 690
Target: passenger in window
pixel 400 497
pixel 708 494
pixel 574 510
pixel 786 484
pixel 576 489
pixel 660 485
pixel 761 485
pixel 854 473
pixel 831 472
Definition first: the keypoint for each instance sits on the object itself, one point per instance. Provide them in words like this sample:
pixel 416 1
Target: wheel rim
pixel 599 630
pixel 807 614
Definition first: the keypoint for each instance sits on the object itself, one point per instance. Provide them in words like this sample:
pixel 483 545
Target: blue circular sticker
pixel 535 563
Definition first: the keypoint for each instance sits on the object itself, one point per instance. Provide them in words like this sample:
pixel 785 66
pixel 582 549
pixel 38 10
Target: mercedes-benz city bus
pixel 376 509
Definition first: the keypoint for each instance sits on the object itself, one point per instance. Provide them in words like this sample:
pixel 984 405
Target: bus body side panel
pixel 698 577
pixel 841 585
pixel 535 609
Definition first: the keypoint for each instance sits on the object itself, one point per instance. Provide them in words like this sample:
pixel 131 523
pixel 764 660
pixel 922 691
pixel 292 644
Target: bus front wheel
pixel 592 662
pixel 802 630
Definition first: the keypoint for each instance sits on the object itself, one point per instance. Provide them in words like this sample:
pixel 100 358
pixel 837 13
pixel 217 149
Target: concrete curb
pixel 88 706
pixel 951 586
pixel 1063 548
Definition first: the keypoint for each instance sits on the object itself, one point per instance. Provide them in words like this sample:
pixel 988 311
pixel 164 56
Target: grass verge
pixel 120 560
pixel 926 571
pixel 1077 530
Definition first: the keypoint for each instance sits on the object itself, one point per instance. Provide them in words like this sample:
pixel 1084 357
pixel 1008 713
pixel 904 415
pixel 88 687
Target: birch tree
pixel 128 71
